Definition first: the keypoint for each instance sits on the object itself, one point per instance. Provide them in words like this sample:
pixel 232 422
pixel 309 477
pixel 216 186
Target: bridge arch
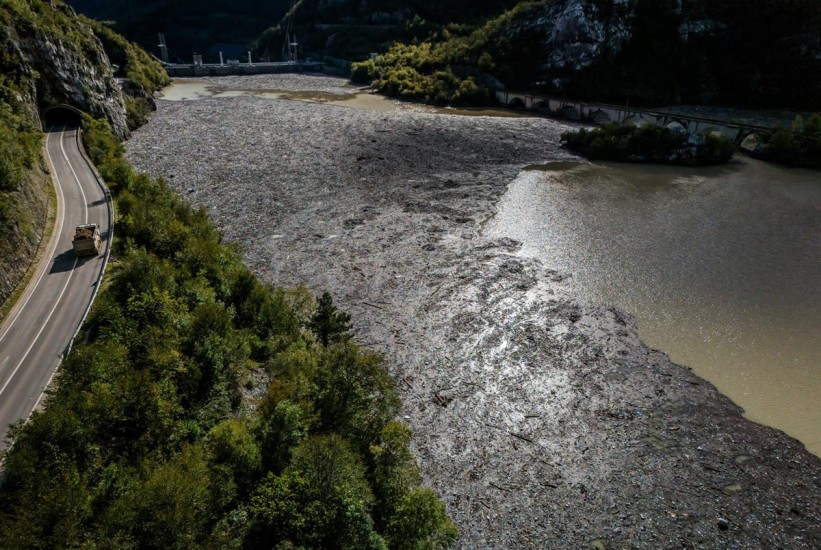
pixel 676 126
pixel 62 115
pixel 749 141
pixel 541 106
pixel 600 117
pixel 517 103
pixel 707 130
pixel 570 113
pixel 636 120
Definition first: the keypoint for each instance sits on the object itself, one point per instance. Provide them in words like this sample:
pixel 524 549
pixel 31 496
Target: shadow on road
pixel 64 262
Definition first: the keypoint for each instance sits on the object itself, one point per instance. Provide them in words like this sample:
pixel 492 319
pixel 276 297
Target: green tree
pixel 322 500
pixel 173 505
pixel 232 444
pixel 355 395
pixel 420 523
pixel 282 429
pixel 327 323
pixel 394 471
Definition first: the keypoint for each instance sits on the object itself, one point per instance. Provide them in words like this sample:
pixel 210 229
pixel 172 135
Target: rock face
pixel 575 34
pixel 669 52
pixel 67 70
pixel 49 58
pixel 19 242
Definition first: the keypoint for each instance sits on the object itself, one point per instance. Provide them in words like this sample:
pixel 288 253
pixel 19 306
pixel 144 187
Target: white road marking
pixel 65 156
pixel 59 232
pixel 71 274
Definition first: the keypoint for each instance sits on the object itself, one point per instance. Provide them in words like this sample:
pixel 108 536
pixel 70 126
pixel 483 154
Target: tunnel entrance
pixel 60 116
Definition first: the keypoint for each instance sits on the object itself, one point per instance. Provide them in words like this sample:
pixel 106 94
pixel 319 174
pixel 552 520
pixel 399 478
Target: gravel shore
pixel 540 422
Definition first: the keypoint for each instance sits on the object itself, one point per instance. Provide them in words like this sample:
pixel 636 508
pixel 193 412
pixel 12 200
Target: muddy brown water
pixel 187 90
pixel 721 267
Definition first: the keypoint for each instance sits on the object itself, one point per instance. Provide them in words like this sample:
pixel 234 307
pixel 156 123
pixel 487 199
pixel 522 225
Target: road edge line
pixel 109 242
pixel 47 249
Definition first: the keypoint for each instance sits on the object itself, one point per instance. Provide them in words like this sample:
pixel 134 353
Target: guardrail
pixel 109 241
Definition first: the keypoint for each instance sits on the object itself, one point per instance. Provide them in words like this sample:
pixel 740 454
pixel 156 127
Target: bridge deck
pixel 586 109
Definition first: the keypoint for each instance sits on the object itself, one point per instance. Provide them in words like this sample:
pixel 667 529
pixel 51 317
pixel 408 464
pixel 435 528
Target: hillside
pixel 352 30
pixel 206 26
pixel 49 57
pixel 756 53
pixel 202 408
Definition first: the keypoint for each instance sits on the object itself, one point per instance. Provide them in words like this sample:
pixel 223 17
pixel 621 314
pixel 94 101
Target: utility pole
pixel 163 49
pixel 289 49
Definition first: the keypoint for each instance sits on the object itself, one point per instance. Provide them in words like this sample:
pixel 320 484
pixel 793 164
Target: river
pixel 539 421
pixel 721 267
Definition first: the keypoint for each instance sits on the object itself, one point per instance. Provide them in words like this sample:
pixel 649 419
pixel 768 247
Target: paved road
pixel 35 335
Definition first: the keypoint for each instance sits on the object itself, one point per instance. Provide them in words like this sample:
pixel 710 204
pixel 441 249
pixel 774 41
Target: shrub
pixel 799 145
pixel 363 72
pixel 648 143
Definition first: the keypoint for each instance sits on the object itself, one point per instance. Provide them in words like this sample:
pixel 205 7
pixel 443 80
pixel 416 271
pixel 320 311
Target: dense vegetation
pixel 152 437
pixel 143 74
pixel 649 143
pixel 758 54
pixel 20 138
pixel 203 26
pixel 352 30
pixel 453 64
pixel 799 145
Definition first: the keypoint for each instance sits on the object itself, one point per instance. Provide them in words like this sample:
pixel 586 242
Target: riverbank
pixel 539 421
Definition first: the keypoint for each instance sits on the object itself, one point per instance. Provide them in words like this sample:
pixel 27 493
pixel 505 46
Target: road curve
pixel 39 329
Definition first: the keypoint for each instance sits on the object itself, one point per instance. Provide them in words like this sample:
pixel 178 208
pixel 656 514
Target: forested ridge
pixel 646 52
pixel 203 26
pixel 757 53
pixel 200 408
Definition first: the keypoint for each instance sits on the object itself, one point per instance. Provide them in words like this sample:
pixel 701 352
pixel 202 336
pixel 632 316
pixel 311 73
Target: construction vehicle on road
pixel 87 240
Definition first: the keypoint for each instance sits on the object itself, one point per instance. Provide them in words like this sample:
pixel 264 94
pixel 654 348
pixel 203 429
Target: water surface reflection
pixel 721 268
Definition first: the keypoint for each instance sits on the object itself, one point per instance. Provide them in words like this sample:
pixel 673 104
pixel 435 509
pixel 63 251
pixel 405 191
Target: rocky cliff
pixel 48 57
pixel 757 53
pixel 61 62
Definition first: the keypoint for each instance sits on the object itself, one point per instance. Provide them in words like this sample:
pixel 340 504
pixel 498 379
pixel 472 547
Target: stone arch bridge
pixel 602 113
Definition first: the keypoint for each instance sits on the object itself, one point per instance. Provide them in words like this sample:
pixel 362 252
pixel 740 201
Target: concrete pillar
pixel 221 61
pixel 249 58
